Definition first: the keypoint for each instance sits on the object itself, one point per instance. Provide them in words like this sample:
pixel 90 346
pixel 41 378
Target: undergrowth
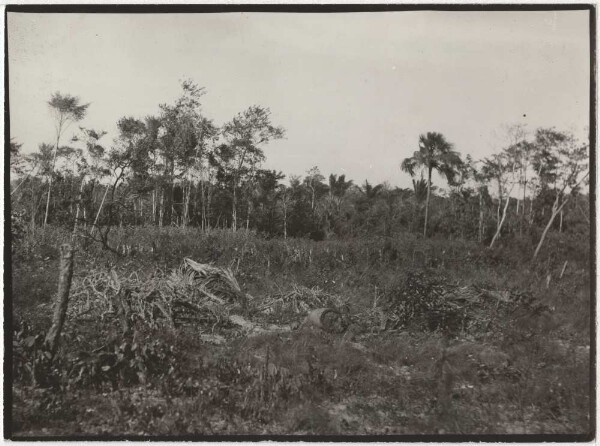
pixel 444 337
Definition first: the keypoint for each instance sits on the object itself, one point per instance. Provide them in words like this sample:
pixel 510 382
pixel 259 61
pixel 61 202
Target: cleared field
pixel 426 337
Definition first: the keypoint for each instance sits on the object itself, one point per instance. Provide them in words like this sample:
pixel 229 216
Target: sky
pixel 353 91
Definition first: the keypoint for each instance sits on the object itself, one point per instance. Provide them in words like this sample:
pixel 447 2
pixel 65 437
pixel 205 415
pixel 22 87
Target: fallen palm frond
pixel 195 293
pixel 217 281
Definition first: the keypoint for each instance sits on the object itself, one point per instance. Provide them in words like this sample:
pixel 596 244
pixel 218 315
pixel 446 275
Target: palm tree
pixel 435 153
pixel 420 189
pixel 370 191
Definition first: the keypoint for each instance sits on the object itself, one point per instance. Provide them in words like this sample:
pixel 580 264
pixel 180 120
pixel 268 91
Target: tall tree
pixel 185 138
pixel 66 110
pixel 435 153
pixel 242 152
pixel 314 181
pixel 91 164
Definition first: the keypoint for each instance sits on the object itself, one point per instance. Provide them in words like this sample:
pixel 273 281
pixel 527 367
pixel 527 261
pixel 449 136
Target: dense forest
pixel 180 168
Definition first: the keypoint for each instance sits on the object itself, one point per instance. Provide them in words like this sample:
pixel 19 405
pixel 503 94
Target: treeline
pixel 180 168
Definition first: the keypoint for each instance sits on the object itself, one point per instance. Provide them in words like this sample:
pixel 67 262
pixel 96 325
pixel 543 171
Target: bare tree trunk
pixel 561 222
pixel 203 210
pixel 100 208
pixel 234 210
pixel 480 229
pixel 48 199
pixel 522 219
pixel 284 220
pixel 62 298
pixel 78 204
pixel 556 209
pixel 22 181
pixel 501 222
pixel 161 210
pixel 154 206
pixel 498 213
pixel 427 203
pixel 531 211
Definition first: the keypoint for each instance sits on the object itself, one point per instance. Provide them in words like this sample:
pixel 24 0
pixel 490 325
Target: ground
pixel 439 337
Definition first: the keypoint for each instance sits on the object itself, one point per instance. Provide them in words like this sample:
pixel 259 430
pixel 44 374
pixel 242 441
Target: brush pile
pixel 428 303
pixel 195 293
pixel 203 297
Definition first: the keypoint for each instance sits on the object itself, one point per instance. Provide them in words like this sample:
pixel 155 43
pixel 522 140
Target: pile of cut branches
pixel 300 300
pixel 429 303
pixel 194 293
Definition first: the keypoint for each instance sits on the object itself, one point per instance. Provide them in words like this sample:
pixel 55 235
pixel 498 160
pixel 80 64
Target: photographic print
pixel 300 222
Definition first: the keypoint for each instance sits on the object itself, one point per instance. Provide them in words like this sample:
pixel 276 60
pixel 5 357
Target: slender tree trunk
pixel 501 222
pixel 531 211
pixel 100 209
pixel 556 209
pixel 480 228
pixel 561 222
pixel 71 195
pixel 22 182
pixel 78 204
pixel 284 221
pixel 203 209
pixel 52 174
pixel 498 213
pixel 522 219
pixel 48 198
pixel 161 210
pixel 154 206
pixel 427 202
pixel 234 210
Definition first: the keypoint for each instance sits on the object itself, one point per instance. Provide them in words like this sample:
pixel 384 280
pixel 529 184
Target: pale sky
pixel 352 90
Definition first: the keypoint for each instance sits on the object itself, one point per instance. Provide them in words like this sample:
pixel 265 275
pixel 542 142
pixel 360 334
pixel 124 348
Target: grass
pixel 489 368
